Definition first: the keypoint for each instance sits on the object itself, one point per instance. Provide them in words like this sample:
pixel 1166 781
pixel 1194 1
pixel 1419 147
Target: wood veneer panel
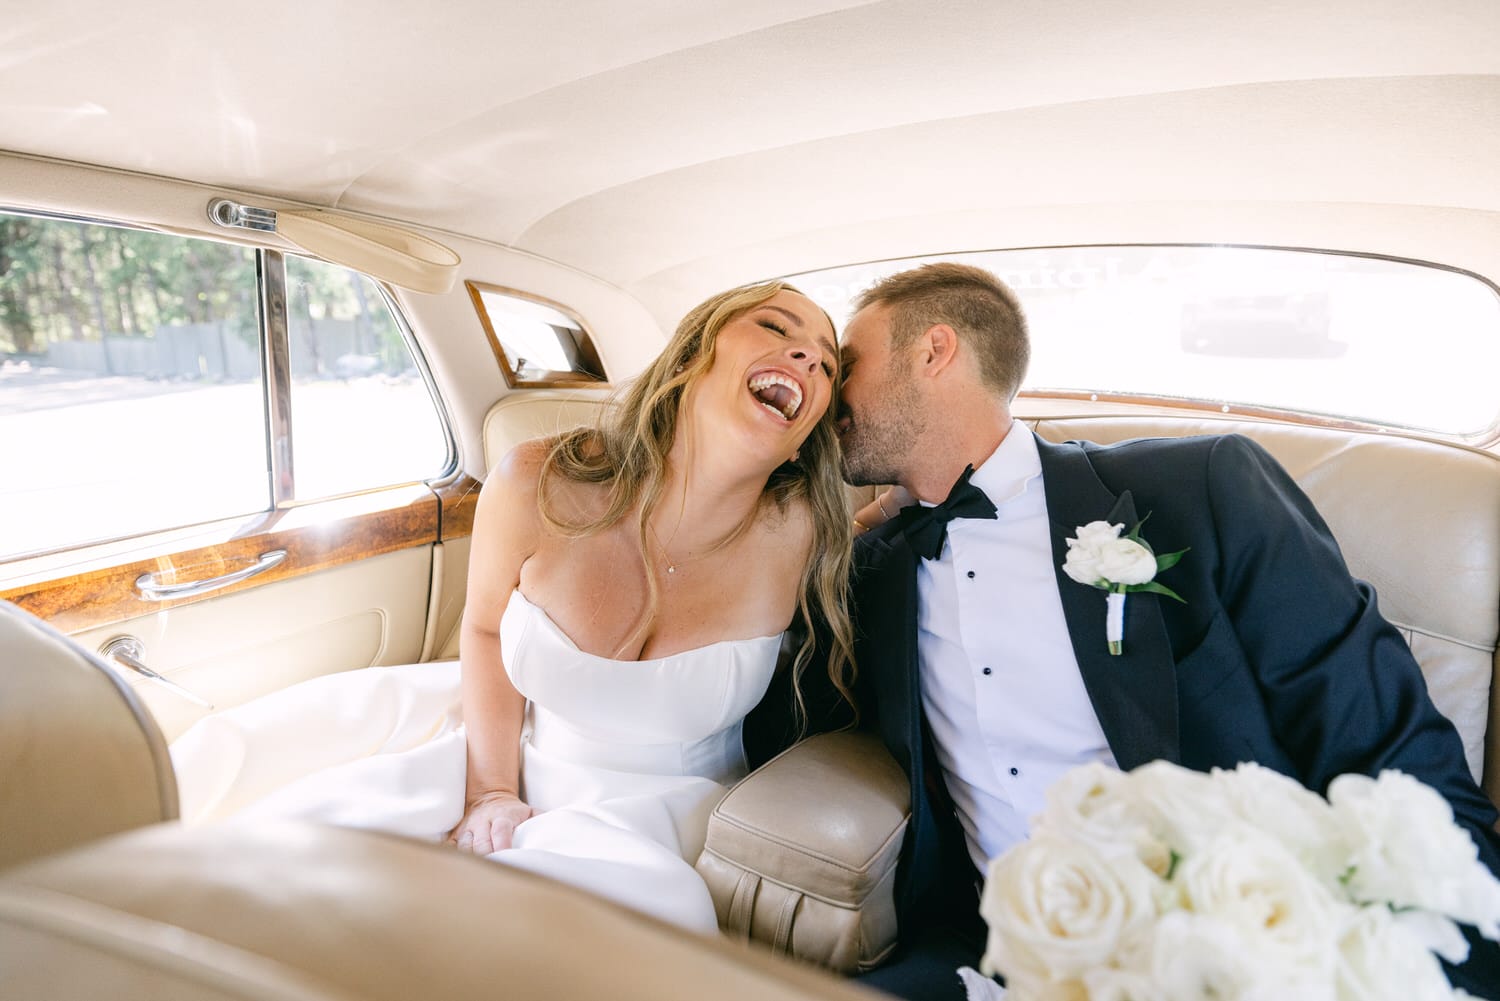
pixel 460 499
pixel 315 537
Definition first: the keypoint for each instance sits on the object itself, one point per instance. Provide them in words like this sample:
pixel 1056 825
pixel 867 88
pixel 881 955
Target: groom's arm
pixel 1340 683
pixel 1342 688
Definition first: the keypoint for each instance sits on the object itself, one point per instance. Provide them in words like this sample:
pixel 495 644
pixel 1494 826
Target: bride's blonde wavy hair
pixel 627 450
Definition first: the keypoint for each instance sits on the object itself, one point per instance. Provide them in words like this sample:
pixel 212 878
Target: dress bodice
pixel 674 715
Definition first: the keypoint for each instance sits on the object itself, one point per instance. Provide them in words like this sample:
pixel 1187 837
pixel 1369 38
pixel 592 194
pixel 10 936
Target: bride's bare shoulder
pixel 522 478
pixel 519 471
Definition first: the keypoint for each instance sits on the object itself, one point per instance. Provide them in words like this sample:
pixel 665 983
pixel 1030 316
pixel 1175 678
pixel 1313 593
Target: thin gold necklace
pixel 671 567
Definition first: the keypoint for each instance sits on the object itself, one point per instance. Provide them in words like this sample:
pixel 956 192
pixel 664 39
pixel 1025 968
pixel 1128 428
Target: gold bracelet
pixel 861 525
pixel 881 504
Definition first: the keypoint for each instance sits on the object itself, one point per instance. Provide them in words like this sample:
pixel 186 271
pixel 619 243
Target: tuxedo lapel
pixel 1135 693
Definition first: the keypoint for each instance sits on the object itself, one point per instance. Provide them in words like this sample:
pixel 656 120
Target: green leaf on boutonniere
pixel 1156 588
pixel 1170 560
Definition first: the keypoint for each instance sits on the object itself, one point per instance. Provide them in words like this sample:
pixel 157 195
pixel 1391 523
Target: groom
pixel 987 671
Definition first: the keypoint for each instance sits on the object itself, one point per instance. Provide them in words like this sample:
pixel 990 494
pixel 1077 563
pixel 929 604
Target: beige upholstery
pixel 79 755
pixel 804 859
pixel 535 413
pixel 300 912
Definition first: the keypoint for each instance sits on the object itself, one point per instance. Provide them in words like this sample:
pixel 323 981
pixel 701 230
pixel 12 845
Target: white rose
pixel 1090 803
pixel 1185 808
pixel 1111 984
pixel 1406 850
pixel 1283 808
pixel 1056 908
pixel 1083 560
pixel 1082 563
pixel 1126 561
pixel 1194 956
pixel 1281 914
pixel 1379 961
pixel 1098 533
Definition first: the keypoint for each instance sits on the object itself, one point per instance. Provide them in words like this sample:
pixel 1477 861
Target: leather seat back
pixel 80 757
pixel 312 913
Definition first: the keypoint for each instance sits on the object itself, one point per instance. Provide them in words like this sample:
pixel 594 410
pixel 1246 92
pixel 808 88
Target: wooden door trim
pixel 78 590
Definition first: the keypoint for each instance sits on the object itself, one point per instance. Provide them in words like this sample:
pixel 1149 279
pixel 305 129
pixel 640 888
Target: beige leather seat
pixel 80 757
pixel 308 913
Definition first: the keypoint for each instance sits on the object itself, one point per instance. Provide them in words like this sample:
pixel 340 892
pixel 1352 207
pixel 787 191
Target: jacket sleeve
pixel 1342 688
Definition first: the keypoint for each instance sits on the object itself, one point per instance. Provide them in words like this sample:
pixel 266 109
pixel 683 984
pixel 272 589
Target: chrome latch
pixel 233 215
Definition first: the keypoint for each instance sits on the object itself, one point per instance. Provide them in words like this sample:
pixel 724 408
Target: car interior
pixel 276 294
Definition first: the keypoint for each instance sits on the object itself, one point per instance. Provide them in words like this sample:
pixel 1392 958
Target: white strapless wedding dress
pixel 622 760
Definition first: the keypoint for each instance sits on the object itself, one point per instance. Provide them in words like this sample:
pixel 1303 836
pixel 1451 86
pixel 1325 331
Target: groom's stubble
pixel 877 445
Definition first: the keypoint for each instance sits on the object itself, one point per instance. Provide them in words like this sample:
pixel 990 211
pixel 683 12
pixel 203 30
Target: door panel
pixel 231 649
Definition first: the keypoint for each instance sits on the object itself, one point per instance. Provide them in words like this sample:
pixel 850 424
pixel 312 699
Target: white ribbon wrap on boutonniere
pixel 1099 556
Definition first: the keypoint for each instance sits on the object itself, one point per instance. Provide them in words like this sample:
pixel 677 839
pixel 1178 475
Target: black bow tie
pixel 926 527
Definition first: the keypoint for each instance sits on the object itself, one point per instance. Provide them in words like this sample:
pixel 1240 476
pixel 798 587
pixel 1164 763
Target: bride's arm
pixel 506 525
pixel 882 509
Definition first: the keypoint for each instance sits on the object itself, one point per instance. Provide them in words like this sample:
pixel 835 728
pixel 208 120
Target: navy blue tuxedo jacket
pixel 1278 655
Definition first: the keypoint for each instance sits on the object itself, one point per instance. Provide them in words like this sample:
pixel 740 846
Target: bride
pixel 628 590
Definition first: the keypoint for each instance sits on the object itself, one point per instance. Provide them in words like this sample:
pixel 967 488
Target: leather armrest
pixel 801 854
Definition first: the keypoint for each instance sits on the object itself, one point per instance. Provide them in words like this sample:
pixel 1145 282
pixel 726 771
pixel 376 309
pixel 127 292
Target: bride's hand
pixel 489 824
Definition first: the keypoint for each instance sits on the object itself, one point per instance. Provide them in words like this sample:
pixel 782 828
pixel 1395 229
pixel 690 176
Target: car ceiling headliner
pixel 667 146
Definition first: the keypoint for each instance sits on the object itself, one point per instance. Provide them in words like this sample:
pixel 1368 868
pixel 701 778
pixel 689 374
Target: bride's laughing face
pixel 772 377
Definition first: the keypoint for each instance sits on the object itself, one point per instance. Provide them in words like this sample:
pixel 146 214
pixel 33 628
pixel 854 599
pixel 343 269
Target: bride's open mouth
pixel 777 392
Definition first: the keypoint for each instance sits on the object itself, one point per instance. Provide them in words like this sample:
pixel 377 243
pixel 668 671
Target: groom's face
pixel 881 412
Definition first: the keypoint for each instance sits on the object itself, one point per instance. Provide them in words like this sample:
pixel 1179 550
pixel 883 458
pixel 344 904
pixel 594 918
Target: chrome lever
pixel 127 651
pixel 150 590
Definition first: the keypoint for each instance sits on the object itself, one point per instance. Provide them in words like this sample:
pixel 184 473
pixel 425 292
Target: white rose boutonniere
pixel 1101 557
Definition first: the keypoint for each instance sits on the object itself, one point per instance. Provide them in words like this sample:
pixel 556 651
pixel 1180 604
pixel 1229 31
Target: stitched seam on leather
pixel 1467 644
pixel 783 940
pixel 742 903
pixel 843 905
pixel 764 835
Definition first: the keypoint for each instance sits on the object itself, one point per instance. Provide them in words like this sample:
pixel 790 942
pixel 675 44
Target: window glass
pixel 362 414
pixel 536 343
pixel 130 386
pixel 1368 339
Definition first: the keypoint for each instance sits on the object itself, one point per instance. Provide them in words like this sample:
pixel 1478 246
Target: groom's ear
pixel 939 348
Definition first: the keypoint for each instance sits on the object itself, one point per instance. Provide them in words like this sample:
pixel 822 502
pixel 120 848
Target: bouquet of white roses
pixel 1165 884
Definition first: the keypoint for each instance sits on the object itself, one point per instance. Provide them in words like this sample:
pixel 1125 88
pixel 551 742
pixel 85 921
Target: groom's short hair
pixel 976 304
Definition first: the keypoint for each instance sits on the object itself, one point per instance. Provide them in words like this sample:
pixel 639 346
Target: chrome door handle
pixel 127 650
pixel 152 591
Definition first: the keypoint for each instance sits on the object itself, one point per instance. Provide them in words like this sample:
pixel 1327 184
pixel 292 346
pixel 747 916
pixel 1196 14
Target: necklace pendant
pixel 671 568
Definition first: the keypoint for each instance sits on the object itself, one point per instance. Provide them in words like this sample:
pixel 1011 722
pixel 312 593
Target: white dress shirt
pixel 1000 686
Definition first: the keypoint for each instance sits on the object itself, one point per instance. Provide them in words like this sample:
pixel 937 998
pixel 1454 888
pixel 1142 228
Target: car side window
pixel 130 386
pixel 362 415
pixel 133 392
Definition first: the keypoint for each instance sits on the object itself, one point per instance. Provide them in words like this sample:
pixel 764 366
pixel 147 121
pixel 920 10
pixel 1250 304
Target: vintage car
pixel 278 288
